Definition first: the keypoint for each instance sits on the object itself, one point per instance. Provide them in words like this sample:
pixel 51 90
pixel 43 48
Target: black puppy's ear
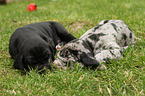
pixel 53 51
pixel 18 64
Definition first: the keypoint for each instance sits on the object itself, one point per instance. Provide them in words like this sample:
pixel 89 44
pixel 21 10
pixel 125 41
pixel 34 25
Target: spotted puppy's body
pixel 105 41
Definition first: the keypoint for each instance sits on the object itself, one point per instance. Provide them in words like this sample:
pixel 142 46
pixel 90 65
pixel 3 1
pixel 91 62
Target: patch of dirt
pixel 74 26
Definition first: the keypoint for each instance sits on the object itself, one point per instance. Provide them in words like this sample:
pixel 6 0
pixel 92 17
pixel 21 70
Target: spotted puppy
pixel 103 42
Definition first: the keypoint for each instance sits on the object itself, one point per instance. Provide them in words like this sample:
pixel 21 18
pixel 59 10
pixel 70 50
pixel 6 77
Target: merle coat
pixel 103 42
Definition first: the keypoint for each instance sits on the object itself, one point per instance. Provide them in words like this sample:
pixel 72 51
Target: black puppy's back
pixel 49 31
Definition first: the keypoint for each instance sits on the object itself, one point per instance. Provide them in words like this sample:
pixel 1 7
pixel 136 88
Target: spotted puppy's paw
pixel 102 67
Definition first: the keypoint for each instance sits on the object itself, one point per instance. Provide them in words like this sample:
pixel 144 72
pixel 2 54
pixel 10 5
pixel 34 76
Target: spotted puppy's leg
pixel 109 51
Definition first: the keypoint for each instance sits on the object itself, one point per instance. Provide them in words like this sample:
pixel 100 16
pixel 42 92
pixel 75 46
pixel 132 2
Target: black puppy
pixel 33 46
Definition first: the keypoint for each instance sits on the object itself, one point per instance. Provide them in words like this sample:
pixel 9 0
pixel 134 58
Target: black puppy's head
pixel 35 57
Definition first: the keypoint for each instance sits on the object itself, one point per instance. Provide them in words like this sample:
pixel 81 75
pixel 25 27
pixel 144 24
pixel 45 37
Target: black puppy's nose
pixel 47 66
pixel 44 66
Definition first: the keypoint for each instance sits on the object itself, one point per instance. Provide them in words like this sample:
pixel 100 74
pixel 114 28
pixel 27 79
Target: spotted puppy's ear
pixel 18 64
pixel 88 60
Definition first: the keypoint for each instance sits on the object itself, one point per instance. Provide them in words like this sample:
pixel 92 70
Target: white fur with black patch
pixel 103 42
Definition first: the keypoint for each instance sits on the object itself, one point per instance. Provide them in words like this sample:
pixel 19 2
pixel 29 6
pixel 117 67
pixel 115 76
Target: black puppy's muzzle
pixel 43 66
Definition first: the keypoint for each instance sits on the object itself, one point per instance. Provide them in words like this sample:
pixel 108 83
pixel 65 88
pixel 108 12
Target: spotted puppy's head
pixel 77 51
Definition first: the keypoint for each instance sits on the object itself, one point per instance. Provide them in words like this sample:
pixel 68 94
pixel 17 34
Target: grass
pixel 124 77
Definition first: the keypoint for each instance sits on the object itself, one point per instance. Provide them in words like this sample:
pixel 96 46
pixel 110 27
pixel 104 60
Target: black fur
pixel 33 46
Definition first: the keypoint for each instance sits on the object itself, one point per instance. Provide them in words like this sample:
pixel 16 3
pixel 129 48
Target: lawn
pixel 124 77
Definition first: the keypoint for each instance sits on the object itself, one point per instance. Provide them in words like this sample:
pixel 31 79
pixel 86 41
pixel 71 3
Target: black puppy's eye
pixel 46 57
pixel 32 61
